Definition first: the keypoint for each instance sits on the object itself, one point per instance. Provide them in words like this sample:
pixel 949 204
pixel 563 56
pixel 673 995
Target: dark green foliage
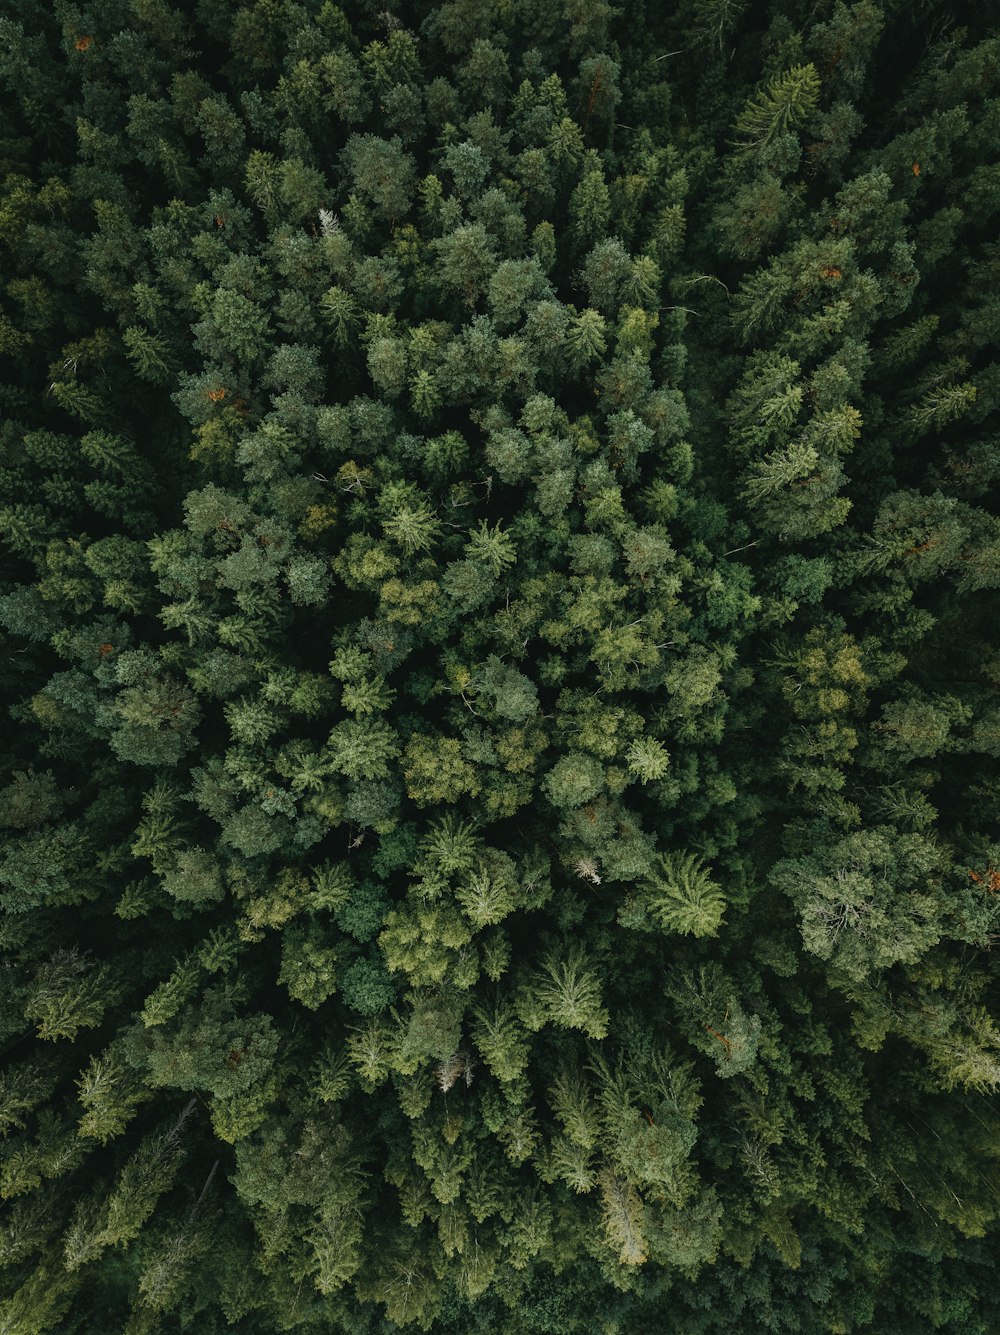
pixel 498 575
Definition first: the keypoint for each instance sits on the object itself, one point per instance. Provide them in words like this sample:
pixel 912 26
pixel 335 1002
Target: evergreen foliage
pixel 497 800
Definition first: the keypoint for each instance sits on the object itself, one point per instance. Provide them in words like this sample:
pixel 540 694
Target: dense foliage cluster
pixel 499 632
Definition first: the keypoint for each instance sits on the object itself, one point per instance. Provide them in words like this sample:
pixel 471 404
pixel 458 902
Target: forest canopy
pixel 498 569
